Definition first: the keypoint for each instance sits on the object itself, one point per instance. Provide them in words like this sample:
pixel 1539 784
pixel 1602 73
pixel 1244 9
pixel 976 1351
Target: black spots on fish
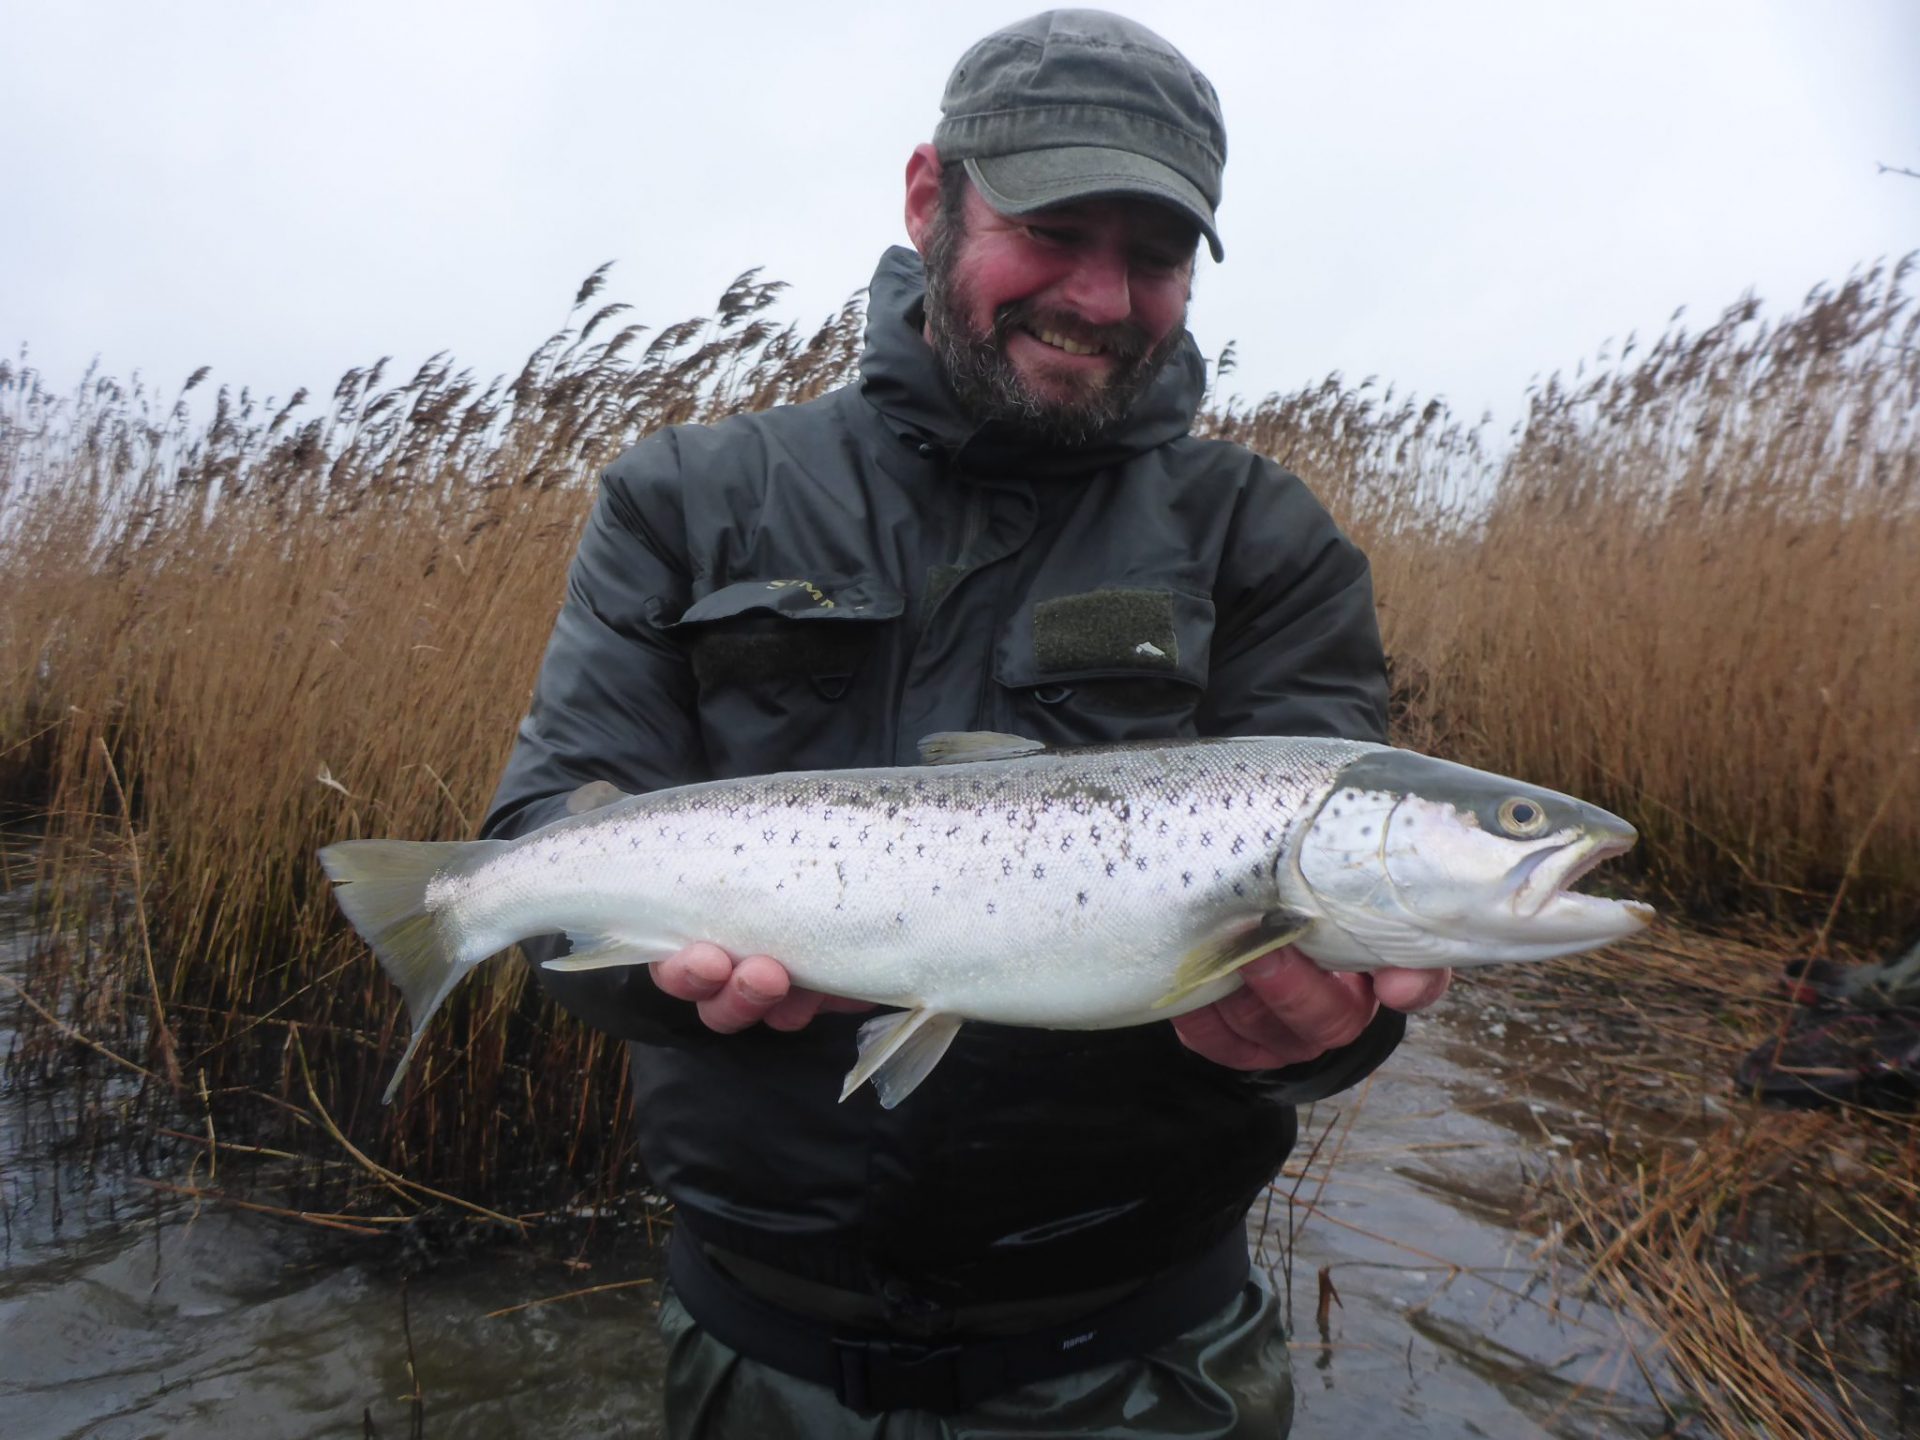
pixel 739 849
pixel 992 909
pixel 1039 872
pixel 1206 839
pixel 1123 811
pixel 1366 829
pixel 1334 811
pixel 1186 878
pixel 767 836
pixel 663 832
pixel 1161 829
pixel 861 838
pixel 1239 889
pixel 899 917
pixel 1093 833
pixel 1111 867
pixel 936 888
pixel 1239 844
pixel 1140 863
pixel 1193 808
pixel 634 843
pixel 892 810
pixel 794 839
pixel 1080 899
pixel 952 830
pixel 1006 869
pixel 1066 843
pixel 1226 802
pixel 1269 835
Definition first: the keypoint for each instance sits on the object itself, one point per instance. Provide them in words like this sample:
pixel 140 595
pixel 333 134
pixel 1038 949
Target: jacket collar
pixel 899 378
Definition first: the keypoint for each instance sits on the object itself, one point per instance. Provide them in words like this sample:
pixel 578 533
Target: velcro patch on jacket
pixel 1122 629
pixel 726 655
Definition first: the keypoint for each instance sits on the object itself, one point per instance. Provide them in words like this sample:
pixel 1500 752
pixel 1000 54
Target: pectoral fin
pixel 898 1051
pixel 1220 956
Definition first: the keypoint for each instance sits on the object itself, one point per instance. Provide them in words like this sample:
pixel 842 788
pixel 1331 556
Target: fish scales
pixel 1085 889
pixel 986 889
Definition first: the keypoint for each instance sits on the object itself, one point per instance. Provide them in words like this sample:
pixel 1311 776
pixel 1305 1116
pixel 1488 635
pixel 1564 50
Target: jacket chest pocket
pixel 1106 665
pixel 790 671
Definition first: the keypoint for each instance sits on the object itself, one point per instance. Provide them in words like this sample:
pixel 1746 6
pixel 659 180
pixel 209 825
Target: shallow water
pixel 125 1312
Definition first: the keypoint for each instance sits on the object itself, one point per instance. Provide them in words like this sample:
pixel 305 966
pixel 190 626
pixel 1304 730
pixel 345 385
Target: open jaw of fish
pixel 1086 889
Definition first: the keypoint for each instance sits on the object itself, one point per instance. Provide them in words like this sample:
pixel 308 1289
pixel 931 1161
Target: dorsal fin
pixel 953 747
pixel 594 795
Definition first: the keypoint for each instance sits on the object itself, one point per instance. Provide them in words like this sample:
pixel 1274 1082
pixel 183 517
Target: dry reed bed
pixel 1774 1253
pixel 1687 589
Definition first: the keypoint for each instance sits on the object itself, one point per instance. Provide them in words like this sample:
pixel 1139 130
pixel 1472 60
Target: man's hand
pixel 1291 1011
pixel 733 994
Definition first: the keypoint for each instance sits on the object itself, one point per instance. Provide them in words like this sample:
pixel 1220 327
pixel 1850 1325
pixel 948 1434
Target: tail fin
pixel 382 887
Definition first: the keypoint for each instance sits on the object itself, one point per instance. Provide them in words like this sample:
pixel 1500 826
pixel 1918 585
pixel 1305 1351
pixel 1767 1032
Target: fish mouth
pixel 1544 883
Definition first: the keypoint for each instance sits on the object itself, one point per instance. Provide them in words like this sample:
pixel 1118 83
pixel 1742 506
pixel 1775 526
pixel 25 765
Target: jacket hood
pixel 900 379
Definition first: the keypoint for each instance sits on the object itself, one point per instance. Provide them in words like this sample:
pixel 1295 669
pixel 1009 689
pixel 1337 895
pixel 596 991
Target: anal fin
pixel 898 1051
pixel 1218 957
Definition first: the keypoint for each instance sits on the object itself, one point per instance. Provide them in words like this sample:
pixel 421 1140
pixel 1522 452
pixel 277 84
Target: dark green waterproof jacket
pixel 821 585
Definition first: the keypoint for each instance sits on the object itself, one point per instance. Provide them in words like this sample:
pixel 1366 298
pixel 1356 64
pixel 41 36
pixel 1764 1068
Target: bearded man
pixel 1004 525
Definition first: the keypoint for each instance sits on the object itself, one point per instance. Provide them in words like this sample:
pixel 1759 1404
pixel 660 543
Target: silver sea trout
pixel 1077 889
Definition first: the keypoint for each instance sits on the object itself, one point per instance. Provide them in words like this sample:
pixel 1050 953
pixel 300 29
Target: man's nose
pixel 1098 289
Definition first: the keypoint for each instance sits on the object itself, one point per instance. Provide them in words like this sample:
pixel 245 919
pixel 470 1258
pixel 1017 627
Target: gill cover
pixel 1421 863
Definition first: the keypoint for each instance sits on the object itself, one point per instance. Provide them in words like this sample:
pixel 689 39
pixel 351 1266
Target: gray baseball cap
pixel 1078 103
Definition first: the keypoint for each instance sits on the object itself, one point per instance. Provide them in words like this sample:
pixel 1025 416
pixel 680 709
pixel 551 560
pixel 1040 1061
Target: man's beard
pixel 989 387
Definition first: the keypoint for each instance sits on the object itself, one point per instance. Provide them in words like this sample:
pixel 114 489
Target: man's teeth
pixel 1061 342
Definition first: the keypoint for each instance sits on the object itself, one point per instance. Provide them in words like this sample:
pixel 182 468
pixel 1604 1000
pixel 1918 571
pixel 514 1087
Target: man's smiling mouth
pixel 1061 342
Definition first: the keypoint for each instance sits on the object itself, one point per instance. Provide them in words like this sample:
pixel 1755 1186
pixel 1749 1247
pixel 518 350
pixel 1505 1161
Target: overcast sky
pixel 1454 196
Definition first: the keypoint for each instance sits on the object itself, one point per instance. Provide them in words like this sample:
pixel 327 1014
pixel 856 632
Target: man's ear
pixel 923 194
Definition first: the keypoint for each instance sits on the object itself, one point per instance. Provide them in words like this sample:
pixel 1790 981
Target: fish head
pixel 1423 863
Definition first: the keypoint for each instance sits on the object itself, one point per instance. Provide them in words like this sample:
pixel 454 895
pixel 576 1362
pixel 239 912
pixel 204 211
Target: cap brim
pixel 1032 180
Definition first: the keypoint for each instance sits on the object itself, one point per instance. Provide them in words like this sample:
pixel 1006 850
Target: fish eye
pixel 1522 817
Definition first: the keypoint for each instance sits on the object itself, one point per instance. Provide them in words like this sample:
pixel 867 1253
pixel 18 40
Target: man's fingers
pixel 1410 989
pixel 1206 1032
pixel 696 973
pixel 757 984
pixel 842 1005
pixel 1289 1000
pixel 795 1012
